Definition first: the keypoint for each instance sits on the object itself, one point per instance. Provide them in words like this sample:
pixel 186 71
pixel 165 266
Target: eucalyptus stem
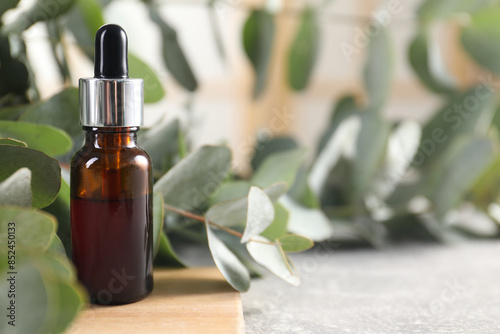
pixel 202 219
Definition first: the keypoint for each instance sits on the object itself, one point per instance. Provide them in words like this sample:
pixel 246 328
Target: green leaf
pixel 279 167
pixel 279 225
pixel 16 189
pixel 47 139
pixel 161 143
pixel 60 208
pixel 267 147
pixel 470 112
pixel 301 191
pixel 311 223
pixel 370 154
pixel 433 10
pixel 258 38
pixel 272 257
pixel 166 255
pixel 173 56
pixel 12 113
pixel 34 229
pixel 304 51
pixel 14 75
pixel 231 190
pixel 293 243
pixel 480 39
pixel 153 89
pixel 191 183
pixel 5 5
pixel 157 221
pixel 50 299
pixel 57 247
pixel 228 264
pixel 83 21
pixel 45 171
pixel 60 111
pixel 216 31
pixel 420 60
pixel 462 166
pixel 234 212
pixel 41 10
pixel 343 109
pixel 378 69
pixel 260 214
pixel 13 142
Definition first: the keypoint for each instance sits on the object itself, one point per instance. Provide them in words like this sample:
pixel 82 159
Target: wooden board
pixel 193 300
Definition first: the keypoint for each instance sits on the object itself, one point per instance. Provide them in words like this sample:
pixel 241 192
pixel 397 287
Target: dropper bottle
pixel 111 181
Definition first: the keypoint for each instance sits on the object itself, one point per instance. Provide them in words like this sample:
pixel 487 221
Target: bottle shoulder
pixel 90 157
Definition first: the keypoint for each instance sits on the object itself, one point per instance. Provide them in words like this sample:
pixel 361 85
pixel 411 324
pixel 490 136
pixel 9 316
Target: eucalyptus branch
pixel 202 219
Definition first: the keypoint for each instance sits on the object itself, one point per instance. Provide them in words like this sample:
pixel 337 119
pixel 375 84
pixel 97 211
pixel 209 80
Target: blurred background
pixel 222 108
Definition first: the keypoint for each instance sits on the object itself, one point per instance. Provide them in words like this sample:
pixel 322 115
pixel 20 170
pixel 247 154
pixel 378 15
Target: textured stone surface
pixel 408 289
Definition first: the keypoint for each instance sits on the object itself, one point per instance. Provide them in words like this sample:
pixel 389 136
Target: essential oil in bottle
pixel 111 181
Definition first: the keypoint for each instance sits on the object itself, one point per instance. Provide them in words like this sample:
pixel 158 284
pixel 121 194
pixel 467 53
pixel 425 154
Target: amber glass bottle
pixel 111 181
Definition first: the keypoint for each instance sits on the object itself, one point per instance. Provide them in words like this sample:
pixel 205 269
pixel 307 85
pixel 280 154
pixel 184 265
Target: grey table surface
pixel 406 289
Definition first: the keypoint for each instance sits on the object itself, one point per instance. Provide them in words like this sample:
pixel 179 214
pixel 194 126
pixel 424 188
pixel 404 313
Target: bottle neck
pixel 111 136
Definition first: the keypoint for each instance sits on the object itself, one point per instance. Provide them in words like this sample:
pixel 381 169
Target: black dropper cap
pixel 111 59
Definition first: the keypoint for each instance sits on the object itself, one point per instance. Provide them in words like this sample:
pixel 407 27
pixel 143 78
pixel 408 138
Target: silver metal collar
pixel 111 102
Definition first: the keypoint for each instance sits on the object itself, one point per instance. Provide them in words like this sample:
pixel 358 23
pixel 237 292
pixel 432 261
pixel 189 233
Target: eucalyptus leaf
pixel 420 59
pixel 293 243
pixel 267 147
pixel 301 191
pixel 191 183
pixel 45 171
pixel 153 89
pixel 51 300
pixel 231 190
pixel 157 221
pixel 14 142
pixel 260 214
pixel 279 225
pixel 466 114
pixel 12 113
pixel 279 167
pixel 44 138
pixel 162 145
pixel 234 212
pixel 311 223
pixel 84 20
pixel 14 74
pixel 166 255
pixel 60 111
pixel 343 109
pixel 41 10
pixel 480 38
pixel 16 189
pixel 271 256
pixel 378 69
pixel 341 145
pixel 216 31
pixel 228 264
pixel 463 165
pixel 433 10
pixel 304 51
pixel 258 38
pixel 370 154
pixel 173 55
pixel 60 208
pixel 6 5
pixel 34 229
